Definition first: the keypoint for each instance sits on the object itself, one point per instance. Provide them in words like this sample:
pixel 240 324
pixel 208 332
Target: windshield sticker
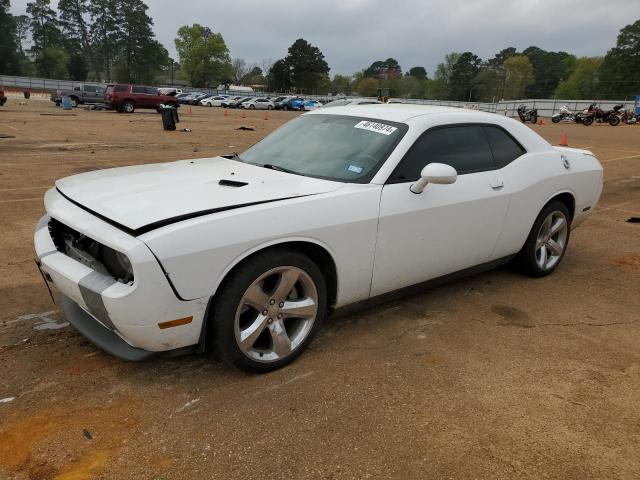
pixel 354 169
pixel 375 127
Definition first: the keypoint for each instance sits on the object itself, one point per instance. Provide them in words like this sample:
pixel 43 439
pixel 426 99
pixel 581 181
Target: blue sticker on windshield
pixel 354 169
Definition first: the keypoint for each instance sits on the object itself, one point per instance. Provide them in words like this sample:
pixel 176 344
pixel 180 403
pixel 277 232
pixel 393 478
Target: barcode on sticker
pixel 376 127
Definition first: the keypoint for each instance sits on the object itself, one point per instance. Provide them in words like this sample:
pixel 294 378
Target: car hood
pixel 141 198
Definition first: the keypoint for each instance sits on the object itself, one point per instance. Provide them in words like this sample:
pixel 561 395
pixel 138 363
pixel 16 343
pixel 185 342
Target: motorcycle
pixel 527 114
pixel 627 117
pixel 593 113
pixel 565 115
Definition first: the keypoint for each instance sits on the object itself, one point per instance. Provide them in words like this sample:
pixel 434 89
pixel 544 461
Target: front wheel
pixel 269 107
pixel 547 242
pixel 586 121
pixel 128 107
pixel 534 119
pixel 268 311
pixel 556 118
pixel 252 107
pixel 614 120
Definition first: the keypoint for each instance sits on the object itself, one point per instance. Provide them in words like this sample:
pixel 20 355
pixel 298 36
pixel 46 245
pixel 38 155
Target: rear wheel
pixel 614 120
pixel 268 311
pixel 128 107
pixel 556 118
pixel 547 242
pixel 74 102
pixel 586 121
pixel 252 107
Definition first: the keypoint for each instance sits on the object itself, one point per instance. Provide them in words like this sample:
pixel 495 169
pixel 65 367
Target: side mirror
pixel 437 173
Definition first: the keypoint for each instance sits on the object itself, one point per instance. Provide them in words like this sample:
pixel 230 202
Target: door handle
pixel 497 184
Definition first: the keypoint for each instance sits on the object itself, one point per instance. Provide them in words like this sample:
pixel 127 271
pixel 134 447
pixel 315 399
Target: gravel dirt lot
pixel 493 376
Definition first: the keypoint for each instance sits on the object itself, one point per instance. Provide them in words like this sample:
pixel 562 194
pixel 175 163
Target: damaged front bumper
pixel 126 319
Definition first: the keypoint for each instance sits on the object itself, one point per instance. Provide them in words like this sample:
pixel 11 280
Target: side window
pixel 137 89
pixel 120 88
pixel 463 147
pixel 89 89
pixel 505 149
pixel 151 91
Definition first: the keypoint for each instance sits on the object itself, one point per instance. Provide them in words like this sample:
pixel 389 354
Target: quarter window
pixel 463 147
pixel 505 149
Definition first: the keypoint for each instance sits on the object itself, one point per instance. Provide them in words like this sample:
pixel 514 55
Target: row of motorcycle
pixel 613 117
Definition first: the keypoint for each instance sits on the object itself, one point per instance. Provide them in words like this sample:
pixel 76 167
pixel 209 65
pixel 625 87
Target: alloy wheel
pixel 551 240
pixel 276 314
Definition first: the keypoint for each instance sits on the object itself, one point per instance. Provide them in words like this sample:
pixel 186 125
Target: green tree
pixel 463 74
pixel 309 70
pixel 9 61
pixel 388 68
pixel 52 63
pixel 279 76
pixel 498 60
pixel 47 38
pixel 518 75
pixel 549 69
pixel 419 73
pixel 583 81
pixel 74 17
pixel 204 57
pixel 368 87
pixel 443 76
pixel 619 74
pixel 341 84
pixel 140 56
pixel 104 32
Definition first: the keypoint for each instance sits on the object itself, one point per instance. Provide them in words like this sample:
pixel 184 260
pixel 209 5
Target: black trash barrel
pixel 169 117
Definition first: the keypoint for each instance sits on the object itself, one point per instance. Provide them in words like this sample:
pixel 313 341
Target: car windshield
pixel 334 147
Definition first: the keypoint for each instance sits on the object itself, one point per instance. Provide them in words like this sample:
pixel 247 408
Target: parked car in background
pixel 169 91
pixel 309 105
pixel 198 98
pixel 351 101
pixel 258 104
pixel 3 98
pixel 126 98
pixel 246 254
pixel 279 101
pixel 214 101
pixel 230 100
pixel 237 103
pixel 185 99
pixel 291 103
pixel 79 95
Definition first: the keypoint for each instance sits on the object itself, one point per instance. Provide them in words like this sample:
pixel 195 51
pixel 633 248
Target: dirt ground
pixel 494 376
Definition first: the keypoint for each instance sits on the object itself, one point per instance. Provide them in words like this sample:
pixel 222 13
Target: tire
pixel 231 315
pixel 74 102
pixel 534 119
pixel 556 118
pixel 531 258
pixel 586 121
pixel 128 107
pixel 285 108
pixel 269 107
pixel 614 120
pixel 252 107
pixel 57 104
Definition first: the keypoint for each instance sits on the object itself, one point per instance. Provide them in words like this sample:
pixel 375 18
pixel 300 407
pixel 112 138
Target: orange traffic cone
pixel 266 115
pixel 541 122
pixel 563 140
pixel 244 115
pixel 226 113
pixel 190 109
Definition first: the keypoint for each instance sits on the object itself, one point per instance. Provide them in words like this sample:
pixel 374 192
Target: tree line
pixel 113 40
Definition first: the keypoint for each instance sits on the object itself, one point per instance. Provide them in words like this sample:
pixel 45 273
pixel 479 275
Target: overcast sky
pixel 354 33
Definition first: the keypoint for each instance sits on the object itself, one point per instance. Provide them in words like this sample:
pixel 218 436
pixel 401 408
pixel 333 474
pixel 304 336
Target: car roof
pixel 395 112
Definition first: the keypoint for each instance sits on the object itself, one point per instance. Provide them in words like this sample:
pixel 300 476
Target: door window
pixel 464 147
pixel 505 149
pixel 137 89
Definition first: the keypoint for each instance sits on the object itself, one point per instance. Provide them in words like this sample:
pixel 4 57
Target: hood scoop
pixel 232 183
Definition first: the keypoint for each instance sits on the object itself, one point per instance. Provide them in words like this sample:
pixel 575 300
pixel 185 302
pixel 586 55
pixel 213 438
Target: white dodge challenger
pixel 247 254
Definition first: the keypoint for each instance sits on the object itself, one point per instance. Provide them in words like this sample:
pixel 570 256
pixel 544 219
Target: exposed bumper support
pixel 99 335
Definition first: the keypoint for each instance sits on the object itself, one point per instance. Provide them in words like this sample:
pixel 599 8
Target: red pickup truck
pixel 126 98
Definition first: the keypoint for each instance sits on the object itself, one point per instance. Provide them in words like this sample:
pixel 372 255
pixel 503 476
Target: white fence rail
pixel 546 107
